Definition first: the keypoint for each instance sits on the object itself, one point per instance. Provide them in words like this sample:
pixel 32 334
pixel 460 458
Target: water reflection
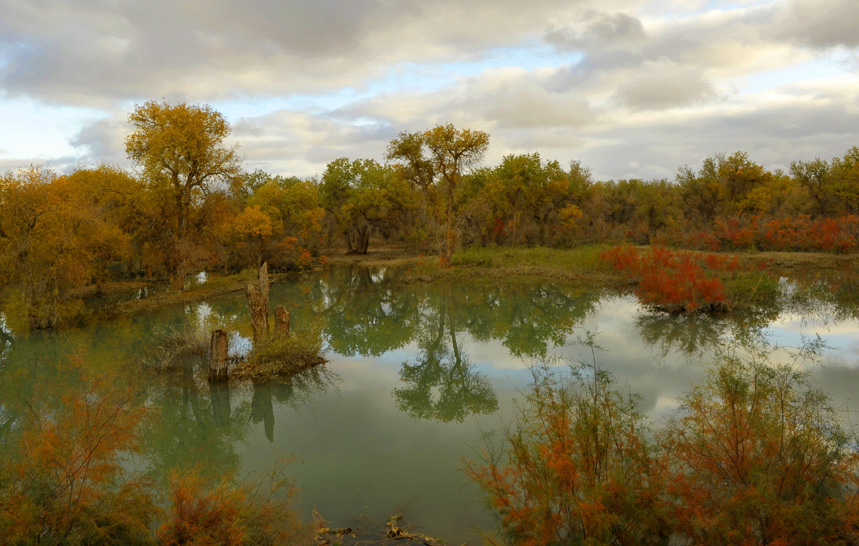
pixel 204 425
pixel 442 383
pixel 369 313
pixel 421 364
pixel 262 408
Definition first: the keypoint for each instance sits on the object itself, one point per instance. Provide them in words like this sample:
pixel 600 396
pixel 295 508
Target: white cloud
pixel 656 84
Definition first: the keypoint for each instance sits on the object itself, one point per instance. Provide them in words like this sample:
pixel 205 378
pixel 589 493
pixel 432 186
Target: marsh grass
pixel 582 258
pixel 282 356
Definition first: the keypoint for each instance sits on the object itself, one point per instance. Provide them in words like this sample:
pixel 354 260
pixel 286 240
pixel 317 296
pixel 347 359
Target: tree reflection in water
pixel 697 334
pixel 191 429
pixel 442 382
pixel 370 311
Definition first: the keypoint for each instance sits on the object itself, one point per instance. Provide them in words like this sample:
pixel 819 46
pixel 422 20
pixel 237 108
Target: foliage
pixel 365 198
pixel 676 282
pixel 64 481
pixel 53 240
pixel 231 514
pixel 760 457
pixel 180 149
pixel 189 207
pixel 437 160
pixel 576 468
pixel 65 478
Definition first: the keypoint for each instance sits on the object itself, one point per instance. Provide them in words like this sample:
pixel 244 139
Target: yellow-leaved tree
pixel 182 154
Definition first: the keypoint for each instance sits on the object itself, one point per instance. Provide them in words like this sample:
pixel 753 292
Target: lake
pixel 417 373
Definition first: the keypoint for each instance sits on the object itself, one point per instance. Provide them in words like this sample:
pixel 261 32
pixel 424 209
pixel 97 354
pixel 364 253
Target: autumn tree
pixel 436 160
pixel 529 199
pixel 182 155
pixel 816 178
pixel 293 207
pixel 845 172
pixel 364 198
pixel 722 186
pixel 54 238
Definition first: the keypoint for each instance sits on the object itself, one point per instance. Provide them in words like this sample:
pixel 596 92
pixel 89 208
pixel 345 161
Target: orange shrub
pixel 672 281
pixel 576 468
pixel 761 458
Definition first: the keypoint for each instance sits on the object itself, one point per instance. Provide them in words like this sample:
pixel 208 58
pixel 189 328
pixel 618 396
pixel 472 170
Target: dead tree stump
pixel 281 321
pixel 263 283
pixel 218 356
pixel 258 310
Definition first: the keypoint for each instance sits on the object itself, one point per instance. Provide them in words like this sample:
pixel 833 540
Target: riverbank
pixel 579 264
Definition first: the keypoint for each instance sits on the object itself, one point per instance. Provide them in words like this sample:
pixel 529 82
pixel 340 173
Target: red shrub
pixel 673 281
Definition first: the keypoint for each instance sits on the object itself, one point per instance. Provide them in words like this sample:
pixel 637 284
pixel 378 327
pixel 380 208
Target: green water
pixel 416 374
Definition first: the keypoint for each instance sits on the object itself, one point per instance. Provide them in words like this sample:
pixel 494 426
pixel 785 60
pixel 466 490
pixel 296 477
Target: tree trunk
pixel 258 310
pixel 281 321
pixel 450 232
pixel 218 356
pixel 365 241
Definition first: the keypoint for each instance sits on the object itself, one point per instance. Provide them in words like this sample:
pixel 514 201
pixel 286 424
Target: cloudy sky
pixel 633 88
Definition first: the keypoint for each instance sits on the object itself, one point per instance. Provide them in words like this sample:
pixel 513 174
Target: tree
pixel 363 197
pixel 181 151
pixel 845 173
pixel 440 157
pixel 54 238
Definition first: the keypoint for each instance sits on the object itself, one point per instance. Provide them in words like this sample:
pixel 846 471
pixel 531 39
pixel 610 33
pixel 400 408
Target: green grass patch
pixel 282 356
pixel 579 260
pixel 752 287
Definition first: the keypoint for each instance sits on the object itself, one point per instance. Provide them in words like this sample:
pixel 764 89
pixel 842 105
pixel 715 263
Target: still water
pixel 417 373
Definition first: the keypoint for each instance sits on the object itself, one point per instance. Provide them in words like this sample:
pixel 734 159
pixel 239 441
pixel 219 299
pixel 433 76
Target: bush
pixel 231 514
pixel 675 282
pixel 62 481
pixel 575 467
pixel 760 457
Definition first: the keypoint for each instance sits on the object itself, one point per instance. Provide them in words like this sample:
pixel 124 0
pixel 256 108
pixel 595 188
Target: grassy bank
pixel 581 264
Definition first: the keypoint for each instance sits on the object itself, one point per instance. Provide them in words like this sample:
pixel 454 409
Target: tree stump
pixel 263 283
pixel 218 356
pixel 281 321
pixel 258 310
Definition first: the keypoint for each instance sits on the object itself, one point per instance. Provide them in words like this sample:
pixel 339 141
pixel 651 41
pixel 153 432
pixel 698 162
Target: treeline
pixel 190 206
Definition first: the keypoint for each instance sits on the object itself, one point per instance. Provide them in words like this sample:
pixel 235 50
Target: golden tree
pixel 182 153
pixel 436 161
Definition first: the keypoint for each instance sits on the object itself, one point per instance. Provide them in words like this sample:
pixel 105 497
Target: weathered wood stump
pixel 218 356
pixel 263 285
pixel 281 321
pixel 258 309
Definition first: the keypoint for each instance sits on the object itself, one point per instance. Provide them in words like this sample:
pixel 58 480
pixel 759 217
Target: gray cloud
pixel 89 51
pixel 298 143
pixel 633 89
pixel 663 85
pixel 818 23
pixel 103 140
pixel 600 30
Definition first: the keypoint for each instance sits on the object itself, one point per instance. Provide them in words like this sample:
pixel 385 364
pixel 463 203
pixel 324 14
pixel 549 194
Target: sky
pixel 631 88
